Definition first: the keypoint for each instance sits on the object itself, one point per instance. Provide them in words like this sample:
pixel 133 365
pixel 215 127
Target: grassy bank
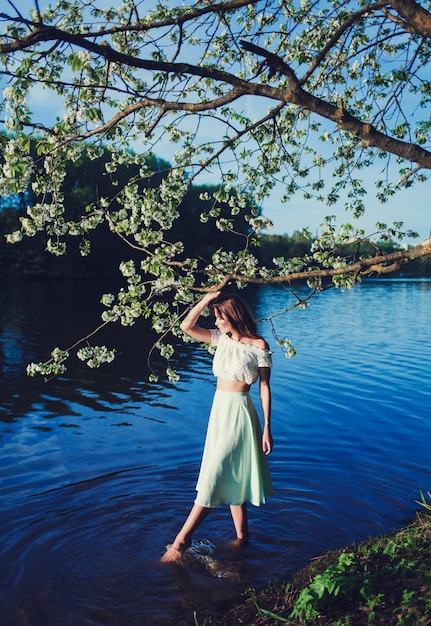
pixel 384 581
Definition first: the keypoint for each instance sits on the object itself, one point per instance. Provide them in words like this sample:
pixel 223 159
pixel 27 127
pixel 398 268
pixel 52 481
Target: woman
pixel 234 466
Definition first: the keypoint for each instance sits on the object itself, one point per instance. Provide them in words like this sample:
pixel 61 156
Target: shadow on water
pixel 36 317
pixel 98 468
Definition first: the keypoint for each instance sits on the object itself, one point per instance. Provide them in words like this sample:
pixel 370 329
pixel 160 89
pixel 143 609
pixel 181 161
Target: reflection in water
pixel 36 317
pixel 98 468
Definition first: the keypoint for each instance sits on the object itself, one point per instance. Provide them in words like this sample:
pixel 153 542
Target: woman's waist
pixel 232 385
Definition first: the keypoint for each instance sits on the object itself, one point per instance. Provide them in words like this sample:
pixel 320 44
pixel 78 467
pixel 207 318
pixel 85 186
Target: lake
pixel 98 468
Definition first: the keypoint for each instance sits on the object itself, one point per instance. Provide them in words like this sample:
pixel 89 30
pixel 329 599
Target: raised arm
pixel 188 325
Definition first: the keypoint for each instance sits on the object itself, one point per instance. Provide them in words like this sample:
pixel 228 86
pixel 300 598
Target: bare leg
pixel 184 538
pixel 240 520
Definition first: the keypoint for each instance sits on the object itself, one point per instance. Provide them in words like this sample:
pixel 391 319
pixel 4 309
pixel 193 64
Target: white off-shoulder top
pixel 237 361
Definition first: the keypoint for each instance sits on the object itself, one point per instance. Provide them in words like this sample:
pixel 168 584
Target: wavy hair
pixel 232 308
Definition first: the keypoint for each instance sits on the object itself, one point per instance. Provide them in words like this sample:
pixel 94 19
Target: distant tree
pixel 330 82
pixel 86 179
pixel 282 246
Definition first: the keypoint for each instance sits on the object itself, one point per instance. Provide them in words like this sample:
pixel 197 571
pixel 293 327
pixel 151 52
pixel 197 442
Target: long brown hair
pixel 232 308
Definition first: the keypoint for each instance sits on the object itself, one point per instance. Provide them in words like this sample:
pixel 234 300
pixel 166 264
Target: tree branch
pixel 41 32
pixel 378 265
pixel 370 136
pixel 295 94
pixel 353 17
pixel 417 20
pixel 164 106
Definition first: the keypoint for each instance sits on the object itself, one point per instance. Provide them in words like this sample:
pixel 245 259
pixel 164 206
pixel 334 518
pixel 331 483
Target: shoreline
pixel 385 580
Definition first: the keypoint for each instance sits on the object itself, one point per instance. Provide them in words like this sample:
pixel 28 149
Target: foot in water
pixel 239 543
pixel 173 553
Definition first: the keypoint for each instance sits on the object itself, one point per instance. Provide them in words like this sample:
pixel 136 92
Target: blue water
pixel 97 469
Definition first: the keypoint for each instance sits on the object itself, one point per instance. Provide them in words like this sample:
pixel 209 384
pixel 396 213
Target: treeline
pixel 85 181
pixel 29 257
pixel 88 179
pixel 273 246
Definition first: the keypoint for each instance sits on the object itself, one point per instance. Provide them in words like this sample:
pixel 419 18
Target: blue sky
pixel 411 206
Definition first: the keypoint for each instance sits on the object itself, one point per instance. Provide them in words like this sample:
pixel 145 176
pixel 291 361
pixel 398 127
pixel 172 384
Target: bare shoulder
pixel 260 343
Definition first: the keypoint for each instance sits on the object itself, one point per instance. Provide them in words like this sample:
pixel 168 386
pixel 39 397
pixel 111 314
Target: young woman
pixel 234 466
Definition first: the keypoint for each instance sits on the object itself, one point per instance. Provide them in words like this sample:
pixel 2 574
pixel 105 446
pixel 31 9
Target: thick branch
pixel 295 94
pixel 45 33
pixel 49 33
pixel 140 26
pixel 384 264
pixel 370 136
pixel 417 20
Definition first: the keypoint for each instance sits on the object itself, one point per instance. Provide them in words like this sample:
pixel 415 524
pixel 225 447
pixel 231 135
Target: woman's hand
pixel 189 323
pixel 267 441
pixel 210 296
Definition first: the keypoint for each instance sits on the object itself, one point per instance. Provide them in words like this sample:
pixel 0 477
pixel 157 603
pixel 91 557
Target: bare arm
pixel 265 399
pixel 188 325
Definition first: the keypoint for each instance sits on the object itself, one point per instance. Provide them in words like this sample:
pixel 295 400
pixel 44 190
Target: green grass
pixel 385 581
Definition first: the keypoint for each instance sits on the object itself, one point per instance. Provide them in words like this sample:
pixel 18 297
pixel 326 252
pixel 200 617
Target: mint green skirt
pixel 234 468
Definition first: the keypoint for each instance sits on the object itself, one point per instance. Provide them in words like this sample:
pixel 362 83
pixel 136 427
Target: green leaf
pixel 76 62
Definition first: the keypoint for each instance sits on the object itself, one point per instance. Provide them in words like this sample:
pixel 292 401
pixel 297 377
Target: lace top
pixel 234 360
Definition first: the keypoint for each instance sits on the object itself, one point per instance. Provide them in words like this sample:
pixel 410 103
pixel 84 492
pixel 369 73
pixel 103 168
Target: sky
pixel 411 206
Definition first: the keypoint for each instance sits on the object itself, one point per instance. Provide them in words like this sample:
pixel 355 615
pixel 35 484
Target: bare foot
pixel 239 543
pixel 173 554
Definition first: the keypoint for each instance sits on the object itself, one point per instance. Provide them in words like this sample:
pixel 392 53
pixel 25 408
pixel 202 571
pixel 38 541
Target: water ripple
pixel 97 476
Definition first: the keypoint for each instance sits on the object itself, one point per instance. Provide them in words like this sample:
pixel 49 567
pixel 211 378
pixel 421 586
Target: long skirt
pixel 234 468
